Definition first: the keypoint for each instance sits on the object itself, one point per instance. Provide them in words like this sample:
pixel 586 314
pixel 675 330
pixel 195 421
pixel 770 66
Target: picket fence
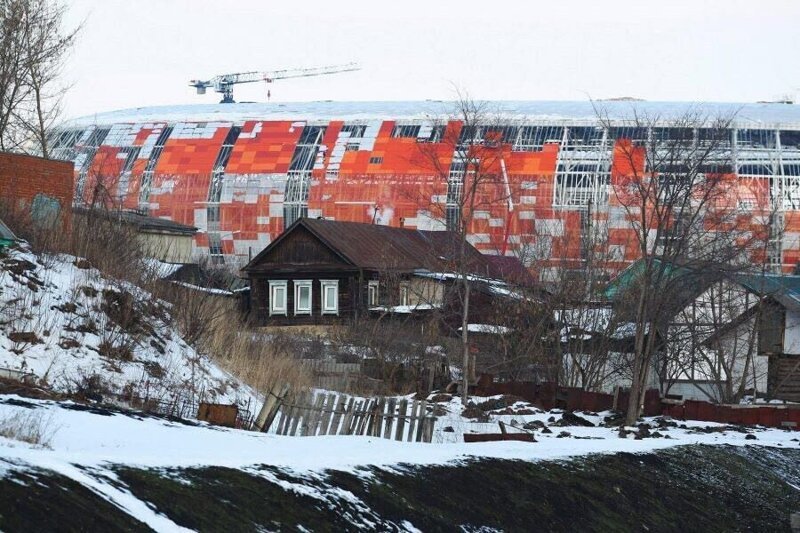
pixel 309 414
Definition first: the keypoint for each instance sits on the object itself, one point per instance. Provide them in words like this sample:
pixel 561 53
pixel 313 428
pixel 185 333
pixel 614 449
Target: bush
pixel 29 426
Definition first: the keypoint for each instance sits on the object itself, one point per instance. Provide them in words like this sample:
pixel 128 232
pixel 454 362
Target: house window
pixel 330 297
pixel 302 297
pixel 375 160
pixel 372 293
pixel 277 298
pixel 404 294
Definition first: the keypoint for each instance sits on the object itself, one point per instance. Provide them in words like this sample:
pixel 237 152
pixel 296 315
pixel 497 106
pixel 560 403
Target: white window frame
pixel 301 284
pixel 273 287
pixel 373 293
pixel 405 293
pixel 326 308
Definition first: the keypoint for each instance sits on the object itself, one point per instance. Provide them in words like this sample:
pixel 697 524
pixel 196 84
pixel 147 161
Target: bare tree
pixel 33 46
pixel 675 185
pixel 474 181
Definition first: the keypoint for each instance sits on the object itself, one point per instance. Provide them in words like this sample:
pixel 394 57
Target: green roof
pixel 628 277
pixel 7 236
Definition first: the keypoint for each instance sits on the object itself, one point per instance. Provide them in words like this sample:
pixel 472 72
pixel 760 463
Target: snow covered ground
pixel 63 322
pixel 85 442
pixel 84 436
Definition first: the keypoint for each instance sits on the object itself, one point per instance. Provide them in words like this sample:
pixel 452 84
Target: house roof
pixel 509 268
pixel 5 233
pixel 377 247
pixel 784 289
pixel 143 223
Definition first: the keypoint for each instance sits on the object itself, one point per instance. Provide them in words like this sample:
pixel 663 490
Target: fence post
pixel 362 423
pixel 349 412
pixel 412 420
pixel 271 405
pixel 387 432
pixel 427 426
pixel 327 411
pixel 296 410
pixel 338 408
pixel 314 412
pixel 377 418
pixel 401 419
pixel 423 411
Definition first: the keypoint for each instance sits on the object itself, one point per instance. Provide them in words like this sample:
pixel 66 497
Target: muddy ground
pixel 692 488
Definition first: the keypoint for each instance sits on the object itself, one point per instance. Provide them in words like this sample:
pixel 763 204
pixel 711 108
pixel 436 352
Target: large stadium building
pixel 243 172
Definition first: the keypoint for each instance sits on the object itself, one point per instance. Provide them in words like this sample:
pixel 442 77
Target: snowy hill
pixel 70 329
pixel 158 472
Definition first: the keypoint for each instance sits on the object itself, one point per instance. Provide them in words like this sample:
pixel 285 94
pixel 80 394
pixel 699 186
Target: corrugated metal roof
pixel 142 222
pixel 750 114
pixel 784 289
pixel 377 247
pixel 373 246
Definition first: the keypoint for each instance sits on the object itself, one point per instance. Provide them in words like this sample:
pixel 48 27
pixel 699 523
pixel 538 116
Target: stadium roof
pixel 773 115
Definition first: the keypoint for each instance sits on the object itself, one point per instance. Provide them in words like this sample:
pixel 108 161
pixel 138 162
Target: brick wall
pixel 44 186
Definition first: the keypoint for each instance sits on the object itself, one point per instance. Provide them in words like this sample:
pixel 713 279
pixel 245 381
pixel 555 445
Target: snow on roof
pixel 487 328
pixel 403 309
pixel 495 286
pixel 753 114
pixel 162 269
pixel 208 290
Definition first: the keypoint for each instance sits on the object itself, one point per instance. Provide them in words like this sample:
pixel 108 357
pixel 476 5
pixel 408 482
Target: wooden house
pixel 320 272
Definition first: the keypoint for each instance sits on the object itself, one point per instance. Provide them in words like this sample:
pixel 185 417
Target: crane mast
pixel 224 83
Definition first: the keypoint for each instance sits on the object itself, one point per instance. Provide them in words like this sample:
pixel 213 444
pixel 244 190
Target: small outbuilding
pixel 7 236
pixel 161 239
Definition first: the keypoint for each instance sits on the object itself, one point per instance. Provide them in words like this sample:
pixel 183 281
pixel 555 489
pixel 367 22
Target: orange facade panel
pixel 373 172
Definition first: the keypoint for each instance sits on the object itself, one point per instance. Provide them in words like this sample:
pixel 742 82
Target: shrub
pixel 29 426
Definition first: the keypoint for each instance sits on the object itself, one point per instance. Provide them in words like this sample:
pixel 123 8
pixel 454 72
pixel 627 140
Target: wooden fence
pixel 307 414
pixel 331 375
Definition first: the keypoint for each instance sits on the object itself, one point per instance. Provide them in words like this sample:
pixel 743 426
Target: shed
pixel 7 236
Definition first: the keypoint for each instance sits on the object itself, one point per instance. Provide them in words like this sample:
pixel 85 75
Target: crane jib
pixel 224 83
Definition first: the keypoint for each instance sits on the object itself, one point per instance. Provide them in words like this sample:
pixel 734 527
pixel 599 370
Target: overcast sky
pixel 134 53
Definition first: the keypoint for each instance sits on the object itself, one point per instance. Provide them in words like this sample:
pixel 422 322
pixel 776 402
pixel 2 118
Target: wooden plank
pixel 327 411
pixel 401 419
pixel 282 413
pixel 377 417
pixel 365 416
pixel 423 413
pixel 387 431
pixel 412 421
pixel 286 411
pixel 429 426
pixel 338 413
pixel 348 417
pixel 298 400
pixel 333 405
pixel 315 414
pixel 358 414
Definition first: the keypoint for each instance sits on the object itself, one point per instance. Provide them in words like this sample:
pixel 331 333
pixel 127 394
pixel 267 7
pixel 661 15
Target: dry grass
pixel 29 426
pixel 210 323
pixel 260 361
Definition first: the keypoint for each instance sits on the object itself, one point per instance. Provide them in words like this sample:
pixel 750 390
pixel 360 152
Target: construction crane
pixel 224 82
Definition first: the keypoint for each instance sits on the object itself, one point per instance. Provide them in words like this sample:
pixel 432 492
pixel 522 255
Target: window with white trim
pixel 302 297
pixel 372 293
pixel 277 297
pixel 330 297
pixel 404 292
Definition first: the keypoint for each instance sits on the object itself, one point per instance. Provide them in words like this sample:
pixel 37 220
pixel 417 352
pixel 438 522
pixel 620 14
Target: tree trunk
pixel 465 345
